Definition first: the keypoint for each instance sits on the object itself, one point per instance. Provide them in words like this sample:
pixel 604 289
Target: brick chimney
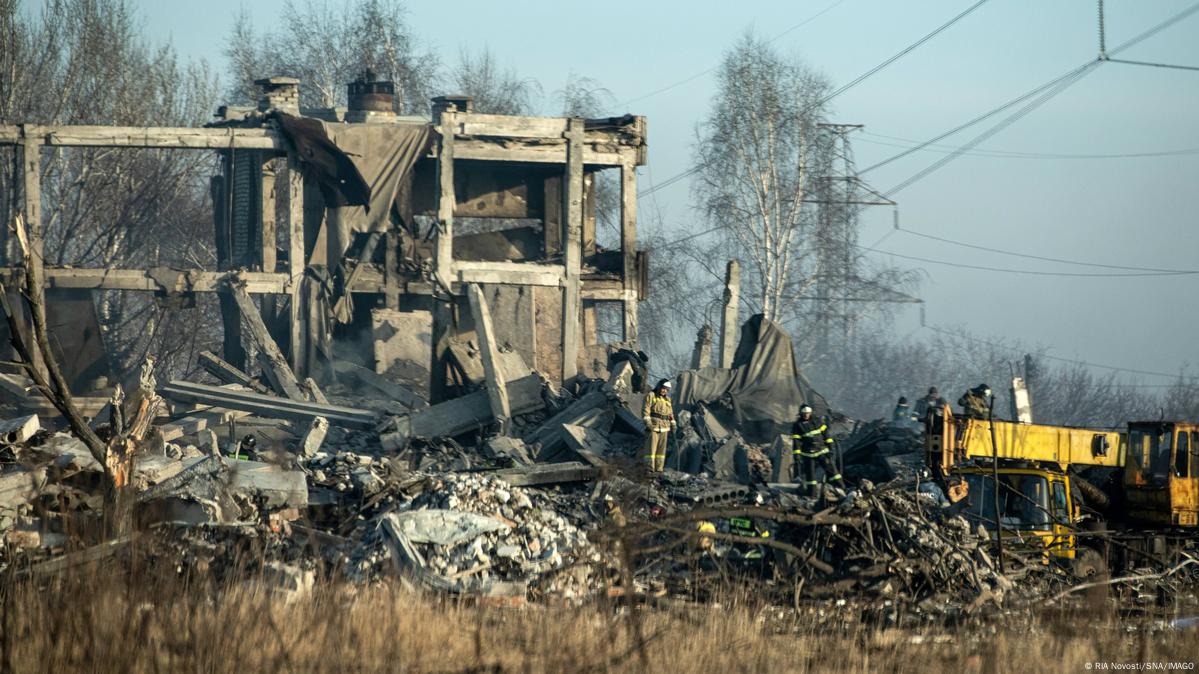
pixel 279 93
pixel 370 100
pixel 455 103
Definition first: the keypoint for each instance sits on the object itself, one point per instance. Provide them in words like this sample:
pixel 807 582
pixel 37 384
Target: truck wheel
pixel 1088 565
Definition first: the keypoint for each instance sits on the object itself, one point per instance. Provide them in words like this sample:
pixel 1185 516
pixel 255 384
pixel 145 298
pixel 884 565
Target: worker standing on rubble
pixel 810 444
pixel 974 402
pixel 902 411
pixel 659 423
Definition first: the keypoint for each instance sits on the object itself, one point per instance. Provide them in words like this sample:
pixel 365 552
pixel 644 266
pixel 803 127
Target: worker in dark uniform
pixel 932 403
pixel 975 402
pixel 811 445
pixel 902 412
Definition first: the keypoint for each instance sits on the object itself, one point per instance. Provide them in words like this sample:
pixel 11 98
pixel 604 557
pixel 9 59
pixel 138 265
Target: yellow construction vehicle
pixel 1037 506
pixel 1161 478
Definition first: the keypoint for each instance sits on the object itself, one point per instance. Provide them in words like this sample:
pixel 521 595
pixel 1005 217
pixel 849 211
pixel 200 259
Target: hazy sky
pixel 1130 211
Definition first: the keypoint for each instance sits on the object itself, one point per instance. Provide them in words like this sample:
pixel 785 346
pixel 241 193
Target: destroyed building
pixel 444 281
pixel 349 237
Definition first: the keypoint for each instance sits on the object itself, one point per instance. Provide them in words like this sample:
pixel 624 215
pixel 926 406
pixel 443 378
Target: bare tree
pixel 761 161
pixel 583 96
pixel 756 153
pixel 326 45
pixel 880 368
pixel 495 90
pixel 83 62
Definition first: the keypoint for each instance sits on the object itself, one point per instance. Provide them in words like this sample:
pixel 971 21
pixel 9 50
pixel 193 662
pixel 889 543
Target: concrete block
pixel 403 337
pixel 14 431
pixel 314 437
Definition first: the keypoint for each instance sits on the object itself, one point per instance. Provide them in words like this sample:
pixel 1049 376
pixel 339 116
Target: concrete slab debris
pixel 444 527
pixel 19 430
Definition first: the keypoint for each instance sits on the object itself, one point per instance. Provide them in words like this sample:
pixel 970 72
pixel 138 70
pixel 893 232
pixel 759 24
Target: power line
pixel 1031 272
pixel 902 53
pixel 692 236
pixel 1070 76
pixel 1011 154
pixel 856 81
pixel 1153 65
pixel 1044 258
pixel 1010 349
pixel 696 76
pixel 1032 105
pixel 986 115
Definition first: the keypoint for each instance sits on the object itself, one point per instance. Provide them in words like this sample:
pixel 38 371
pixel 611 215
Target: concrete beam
pixel 728 318
pixel 272 361
pixel 271 407
pixel 497 392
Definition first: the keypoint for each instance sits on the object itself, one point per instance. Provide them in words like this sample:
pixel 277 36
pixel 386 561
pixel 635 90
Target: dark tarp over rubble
pixel 365 177
pixel 764 386
pixel 340 180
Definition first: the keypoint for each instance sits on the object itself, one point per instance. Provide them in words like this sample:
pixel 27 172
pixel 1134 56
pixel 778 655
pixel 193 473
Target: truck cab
pixel 1036 511
pixel 1161 478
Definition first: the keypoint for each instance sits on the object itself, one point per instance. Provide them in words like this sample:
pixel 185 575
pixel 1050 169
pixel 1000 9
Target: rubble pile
pixel 473 530
pixel 884 450
pixel 898 545
pixel 372 484
pixel 886 547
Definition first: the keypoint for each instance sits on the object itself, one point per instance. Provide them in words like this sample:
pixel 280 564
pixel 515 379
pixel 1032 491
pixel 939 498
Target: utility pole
pixel 840 194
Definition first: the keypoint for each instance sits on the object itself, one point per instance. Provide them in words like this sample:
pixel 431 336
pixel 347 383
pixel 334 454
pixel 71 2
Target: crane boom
pixel 964 439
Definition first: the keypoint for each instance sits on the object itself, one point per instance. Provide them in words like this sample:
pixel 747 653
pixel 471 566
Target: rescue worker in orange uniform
pixel 659 422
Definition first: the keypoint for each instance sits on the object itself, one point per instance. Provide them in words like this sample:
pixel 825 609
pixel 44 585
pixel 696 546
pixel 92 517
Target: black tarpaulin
pixel 764 386
pixel 384 154
pixel 340 180
pixel 365 175
pixel 362 170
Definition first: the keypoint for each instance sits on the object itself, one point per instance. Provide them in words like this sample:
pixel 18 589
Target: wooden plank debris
pixel 549 437
pixel 547 473
pixel 314 436
pixel 369 378
pixel 192 424
pixel 186 281
pixel 314 391
pixel 197 138
pixel 590 444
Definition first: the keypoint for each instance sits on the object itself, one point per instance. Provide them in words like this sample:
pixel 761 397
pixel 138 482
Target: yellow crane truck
pixel 1149 518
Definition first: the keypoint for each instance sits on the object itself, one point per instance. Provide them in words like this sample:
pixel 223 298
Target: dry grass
pixel 105 622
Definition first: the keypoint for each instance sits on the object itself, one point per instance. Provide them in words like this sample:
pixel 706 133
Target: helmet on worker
pixel 663 387
pixel 805 410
